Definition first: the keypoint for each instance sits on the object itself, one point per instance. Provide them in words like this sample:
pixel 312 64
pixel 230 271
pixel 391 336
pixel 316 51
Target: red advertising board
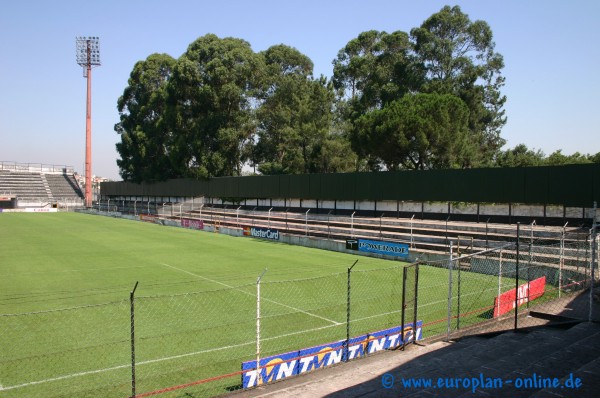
pixel 526 292
pixel 192 223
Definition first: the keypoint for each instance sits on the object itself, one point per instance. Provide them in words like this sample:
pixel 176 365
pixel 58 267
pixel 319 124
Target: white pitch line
pixel 265 299
pixel 151 361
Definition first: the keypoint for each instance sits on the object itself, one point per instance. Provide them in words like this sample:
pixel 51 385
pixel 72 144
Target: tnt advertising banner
pixel 264 233
pixel 192 224
pixel 278 367
pixel 379 247
pixel 526 292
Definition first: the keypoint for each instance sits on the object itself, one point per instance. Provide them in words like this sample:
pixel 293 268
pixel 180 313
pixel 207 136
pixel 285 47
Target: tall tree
pixel 295 115
pixel 371 71
pixel 145 138
pixel 376 68
pixel 459 59
pixel 211 106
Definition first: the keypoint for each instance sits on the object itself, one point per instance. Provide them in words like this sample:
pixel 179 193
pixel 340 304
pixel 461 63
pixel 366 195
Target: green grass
pixel 65 280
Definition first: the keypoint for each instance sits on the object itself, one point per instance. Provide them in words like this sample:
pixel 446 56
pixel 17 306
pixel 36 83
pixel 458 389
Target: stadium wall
pixel 570 185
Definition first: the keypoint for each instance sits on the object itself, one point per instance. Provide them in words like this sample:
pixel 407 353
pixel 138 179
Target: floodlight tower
pixel 88 55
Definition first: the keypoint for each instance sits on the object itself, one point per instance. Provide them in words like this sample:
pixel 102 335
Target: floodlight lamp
pixel 87 50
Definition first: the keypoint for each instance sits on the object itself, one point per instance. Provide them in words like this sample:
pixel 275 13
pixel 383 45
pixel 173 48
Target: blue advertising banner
pixel 278 367
pixel 387 248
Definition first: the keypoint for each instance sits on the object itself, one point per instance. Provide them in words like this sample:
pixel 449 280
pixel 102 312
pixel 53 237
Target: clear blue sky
pixel 551 51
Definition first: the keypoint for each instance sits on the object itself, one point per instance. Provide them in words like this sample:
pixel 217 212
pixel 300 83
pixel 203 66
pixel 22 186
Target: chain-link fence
pixel 211 342
pixel 65 353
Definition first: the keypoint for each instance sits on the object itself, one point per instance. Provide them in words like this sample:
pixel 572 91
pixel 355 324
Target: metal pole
pixel 348 314
pixel 594 238
pixel 499 283
pixel 403 308
pixel 352 225
pixel 449 294
pixel 412 241
pixel 306 221
pixel 131 302
pixel 269 219
pixel 88 137
pixel 458 293
pixel 258 375
pixel 529 263
pixel 416 302
pixel 486 234
pixel 517 277
pixel 562 259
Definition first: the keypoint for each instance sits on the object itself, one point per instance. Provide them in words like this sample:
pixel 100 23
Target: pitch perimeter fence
pixel 195 343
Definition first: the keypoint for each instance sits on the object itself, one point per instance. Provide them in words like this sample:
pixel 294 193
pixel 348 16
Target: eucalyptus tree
pixel 145 138
pixel 212 100
pixel 374 69
pixel 459 58
pixel 294 116
pixel 447 55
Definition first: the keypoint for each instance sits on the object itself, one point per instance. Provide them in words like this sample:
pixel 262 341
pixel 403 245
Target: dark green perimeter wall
pixel 571 185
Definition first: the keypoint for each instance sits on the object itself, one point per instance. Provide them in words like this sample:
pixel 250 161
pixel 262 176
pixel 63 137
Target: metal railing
pixel 36 167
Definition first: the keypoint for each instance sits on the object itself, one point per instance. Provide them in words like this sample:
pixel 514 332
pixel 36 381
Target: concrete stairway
pixel 567 352
pixel 542 353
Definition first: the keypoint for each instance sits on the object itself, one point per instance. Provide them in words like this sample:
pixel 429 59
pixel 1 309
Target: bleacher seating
pixel 40 187
pixel 22 185
pixel 63 186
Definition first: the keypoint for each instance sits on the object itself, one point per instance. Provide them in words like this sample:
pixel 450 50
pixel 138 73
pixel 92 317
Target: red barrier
pixel 526 292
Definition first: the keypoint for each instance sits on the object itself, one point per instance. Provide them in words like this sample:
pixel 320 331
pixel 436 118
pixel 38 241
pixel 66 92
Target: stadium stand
pixel 63 186
pixel 39 185
pixel 22 185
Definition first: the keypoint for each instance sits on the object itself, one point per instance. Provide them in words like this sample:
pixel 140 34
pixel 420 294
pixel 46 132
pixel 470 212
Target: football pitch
pixel 65 323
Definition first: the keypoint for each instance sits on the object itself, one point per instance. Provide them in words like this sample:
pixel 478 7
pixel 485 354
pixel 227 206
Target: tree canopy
pixel 424 99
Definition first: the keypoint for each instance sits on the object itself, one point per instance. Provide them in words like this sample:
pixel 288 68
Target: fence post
pixel 306 221
pixel 412 241
pixel 258 375
pixel 561 260
pixel 458 291
pixel 517 277
pixel 131 302
pixel 529 262
pixel 269 219
pixel 403 309
pixel 594 243
pixel 449 294
pixel 415 316
pixel 348 314
pixel 499 283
